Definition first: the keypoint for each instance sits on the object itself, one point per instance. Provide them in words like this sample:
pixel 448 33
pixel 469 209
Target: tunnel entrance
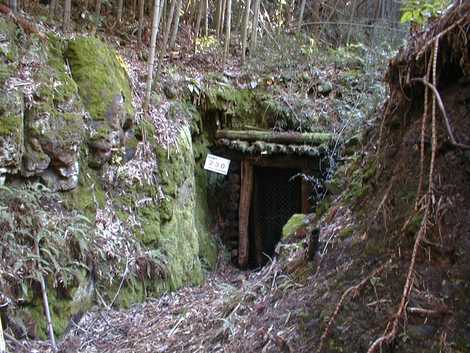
pixel 268 181
pixel 277 195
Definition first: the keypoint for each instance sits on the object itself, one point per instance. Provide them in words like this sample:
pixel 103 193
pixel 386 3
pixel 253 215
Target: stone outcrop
pixel 66 120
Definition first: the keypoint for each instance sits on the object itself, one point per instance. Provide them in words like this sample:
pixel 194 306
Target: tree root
pixel 391 330
pixel 355 291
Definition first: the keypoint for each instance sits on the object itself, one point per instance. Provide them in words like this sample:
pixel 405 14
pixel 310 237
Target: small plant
pixel 419 11
pixel 207 43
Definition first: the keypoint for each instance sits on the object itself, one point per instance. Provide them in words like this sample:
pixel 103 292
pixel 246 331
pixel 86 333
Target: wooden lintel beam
pixel 309 138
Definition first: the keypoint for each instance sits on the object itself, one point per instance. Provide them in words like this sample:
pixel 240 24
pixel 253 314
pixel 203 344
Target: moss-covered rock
pixel 54 126
pixel 11 103
pixel 100 74
pixel 179 236
pixel 294 223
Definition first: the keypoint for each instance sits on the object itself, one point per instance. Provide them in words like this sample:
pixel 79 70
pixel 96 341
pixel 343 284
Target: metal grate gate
pixel 276 198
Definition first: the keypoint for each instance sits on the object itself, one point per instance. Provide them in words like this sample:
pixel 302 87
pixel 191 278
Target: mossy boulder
pixel 100 74
pixel 295 223
pixel 103 85
pixel 178 238
pixel 54 126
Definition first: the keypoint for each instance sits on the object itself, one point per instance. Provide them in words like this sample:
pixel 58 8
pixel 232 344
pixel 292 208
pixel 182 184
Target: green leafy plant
pixel 419 11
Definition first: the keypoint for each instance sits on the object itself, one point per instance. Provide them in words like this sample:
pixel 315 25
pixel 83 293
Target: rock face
pixel 11 105
pixel 104 88
pixel 41 113
pixel 43 138
pixel 66 120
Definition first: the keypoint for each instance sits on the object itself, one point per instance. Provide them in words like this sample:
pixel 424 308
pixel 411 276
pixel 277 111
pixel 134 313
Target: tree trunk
pixel 228 27
pixel 222 18
pixel 206 18
pixel 160 13
pixel 153 40
pixel 119 10
pixel 290 14
pixel 218 17
pixel 134 9
pixel 52 6
pixel 301 16
pixel 13 4
pixel 246 23
pixel 166 34
pixel 67 10
pixel 98 13
pixel 141 21
pixel 199 17
pixel 254 36
pixel 176 24
pixel 351 19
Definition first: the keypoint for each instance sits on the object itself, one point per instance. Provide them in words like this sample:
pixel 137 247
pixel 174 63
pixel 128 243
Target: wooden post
pixel 244 212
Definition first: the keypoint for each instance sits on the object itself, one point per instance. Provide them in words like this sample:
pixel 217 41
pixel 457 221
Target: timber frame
pixel 246 195
pixel 270 149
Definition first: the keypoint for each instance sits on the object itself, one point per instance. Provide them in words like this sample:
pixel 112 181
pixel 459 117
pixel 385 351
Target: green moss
pixel 238 107
pixel 293 224
pixel 88 195
pixel 65 87
pixel 100 75
pixel 207 245
pixel 11 125
pixel 151 227
pixel 346 232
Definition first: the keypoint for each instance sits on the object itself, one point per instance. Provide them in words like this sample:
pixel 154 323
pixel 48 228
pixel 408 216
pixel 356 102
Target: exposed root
pixel 388 337
pixel 423 135
pixel 355 292
pixel 391 330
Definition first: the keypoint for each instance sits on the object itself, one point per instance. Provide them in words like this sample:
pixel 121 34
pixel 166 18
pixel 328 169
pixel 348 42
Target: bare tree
pixel 134 8
pixel 141 21
pixel 353 11
pixel 228 25
pixel 246 23
pixel 254 35
pixel 199 16
pixel 98 13
pixel 13 4
pixel 301 15
pixel 222 18
pixel 67 10
pixel 52 6
pixel 120 5
pixel 153 40
pixel 176 24
pixel 206 17
pixel 166 33
pixel 218 17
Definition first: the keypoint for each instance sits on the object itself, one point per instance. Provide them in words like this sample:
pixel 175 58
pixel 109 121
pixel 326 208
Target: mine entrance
pixel 271 191
pixel 276 197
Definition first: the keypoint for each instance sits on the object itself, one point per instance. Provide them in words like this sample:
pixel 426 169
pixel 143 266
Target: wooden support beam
pixel 296 138
pixel 244 212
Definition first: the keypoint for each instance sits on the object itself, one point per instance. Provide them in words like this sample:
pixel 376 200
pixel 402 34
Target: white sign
pixel 217 164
